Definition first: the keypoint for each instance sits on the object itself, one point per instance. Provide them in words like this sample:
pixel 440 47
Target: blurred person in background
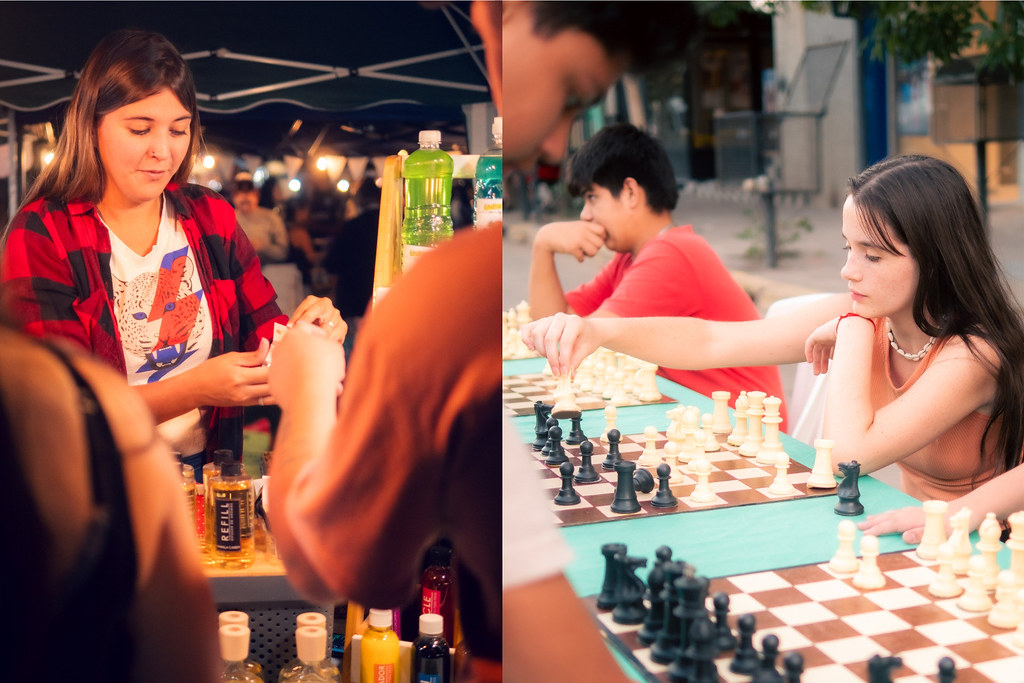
pixel 263 227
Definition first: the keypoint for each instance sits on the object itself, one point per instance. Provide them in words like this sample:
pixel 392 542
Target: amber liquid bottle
pixel 231 494
pixel 437 585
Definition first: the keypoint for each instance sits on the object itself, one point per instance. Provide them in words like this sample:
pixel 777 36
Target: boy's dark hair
pixel 621 151
pixel 646 33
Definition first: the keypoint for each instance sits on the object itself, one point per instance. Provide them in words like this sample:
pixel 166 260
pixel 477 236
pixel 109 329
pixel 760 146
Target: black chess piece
pixel 545 451
pixel 666 645
pixel 643 482
pixel 792 667
pixel 692 591
pixel 664 498
pixel 625 500
pixel 542 411
pixel 607 598
pixel 576 435
pixel 848 491
pixel 766 671
pixel 700 664
pixel 947 670
pixel 880 668
pixel 655 619
pixel 630 608
pixel 557 454
pixel 567 494
pixel 613 450
pixel 725 640
pixel 745 660
pixel 586 473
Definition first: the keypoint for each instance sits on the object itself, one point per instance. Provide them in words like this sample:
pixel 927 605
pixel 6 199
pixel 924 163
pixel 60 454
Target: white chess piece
pixel 1006 612
pixel 739 431
pixel 960 539
pixel 610 414
pixel 845 560
pixel 869 576
pixel 821 474
pixel 771 445
pixel 565 399
pixel 702 492
pixel 944 584
pixel 720 423
pixel 608 387
pixel 710 440
pixel 649 458
pixel 1018 636
pixel 934 529
pixel 975 598
pixel 648 390
pixel 755 435
pixel 781 485
pixel 688 448
pixel 989 546
pixel 619 396
pixel 674 433
pixel 585 374
pixel 1016 545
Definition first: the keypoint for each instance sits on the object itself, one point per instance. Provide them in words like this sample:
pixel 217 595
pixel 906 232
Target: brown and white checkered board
pixel 520 392
pixel 837 627
pixel 735 479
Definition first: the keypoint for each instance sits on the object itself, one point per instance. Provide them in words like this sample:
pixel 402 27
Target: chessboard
pixel 735 479
pixel 520 392
pixel 837 627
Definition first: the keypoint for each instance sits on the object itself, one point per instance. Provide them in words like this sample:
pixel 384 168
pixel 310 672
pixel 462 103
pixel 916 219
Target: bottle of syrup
pixel 437 588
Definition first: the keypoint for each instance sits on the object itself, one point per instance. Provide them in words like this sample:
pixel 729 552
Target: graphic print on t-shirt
pixel 159 316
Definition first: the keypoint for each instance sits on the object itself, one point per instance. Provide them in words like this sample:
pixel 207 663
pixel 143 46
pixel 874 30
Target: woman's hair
pixel 127 66
pixel 926 204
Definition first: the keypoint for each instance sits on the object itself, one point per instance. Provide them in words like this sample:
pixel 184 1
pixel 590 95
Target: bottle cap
pixel 233 616
pixel 431 624
pixel 311 643
pixel 232 468
pixel 311 619
pixel 222 455
pixel 496 127
pixel 430 137
pixel 187 472
pixel 439 556
pixel 380 618
pixel 234 642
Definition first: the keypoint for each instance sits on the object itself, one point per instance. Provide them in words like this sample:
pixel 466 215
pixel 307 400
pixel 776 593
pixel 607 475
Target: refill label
pixel 228 524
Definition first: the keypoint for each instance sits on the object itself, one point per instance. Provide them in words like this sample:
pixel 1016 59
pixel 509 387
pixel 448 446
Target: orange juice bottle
pixel 379 658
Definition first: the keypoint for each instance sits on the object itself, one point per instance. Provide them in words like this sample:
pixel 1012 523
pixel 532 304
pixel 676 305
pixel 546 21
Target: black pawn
pixel 643 482
pixel 608 596
pixel 664 498
pixel 766 672
pixel 793 667
pixel 701 655
pixel 576 434
pixel 880 668
pixel 656 615
pixel 542 411
pixel 567 494
pixel 947 670
pixel 725 641
pixel 613 450
pixel 587 474
pixel 630 608
pixel 625 500
pixel 666 645
pixel 557 454
pixel 545 451
pixel 848 491
pixel 746 660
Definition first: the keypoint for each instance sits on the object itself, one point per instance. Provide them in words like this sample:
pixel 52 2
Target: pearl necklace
pixel 910 356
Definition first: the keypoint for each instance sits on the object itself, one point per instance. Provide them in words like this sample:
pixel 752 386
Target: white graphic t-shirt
pixel 163 318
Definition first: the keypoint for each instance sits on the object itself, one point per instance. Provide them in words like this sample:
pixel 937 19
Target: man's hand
pixel 581 239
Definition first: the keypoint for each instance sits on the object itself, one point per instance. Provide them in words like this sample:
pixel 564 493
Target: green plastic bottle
pixel 487 185
pixel 427 173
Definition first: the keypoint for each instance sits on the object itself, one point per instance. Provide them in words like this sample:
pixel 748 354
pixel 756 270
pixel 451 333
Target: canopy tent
pixel 362 77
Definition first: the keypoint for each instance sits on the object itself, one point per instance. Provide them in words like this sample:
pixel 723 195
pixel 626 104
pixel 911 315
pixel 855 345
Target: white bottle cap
pixel 380 618
pixel 430 137
pixel 233 616
pixel 496 127
pixel 311 643
pixel 234 642
pixel 311 619
pixel 431 624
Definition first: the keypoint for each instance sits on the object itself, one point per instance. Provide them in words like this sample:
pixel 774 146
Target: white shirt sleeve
pixel 532 547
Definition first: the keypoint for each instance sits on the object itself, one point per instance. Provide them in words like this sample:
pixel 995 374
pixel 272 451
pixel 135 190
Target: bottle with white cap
pixel 242 619
pixel 310 644
pixel 488 182
pixel 431 658
pixel 234 650
pixel 379 656
pixel 327 669
pixel 427 175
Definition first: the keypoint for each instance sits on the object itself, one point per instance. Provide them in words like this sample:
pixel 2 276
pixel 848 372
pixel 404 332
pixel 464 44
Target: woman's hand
pixel 320 311
pixel 819 346
pixel 909 521
pixel 306 363
pixel 564 339
pixel 238 378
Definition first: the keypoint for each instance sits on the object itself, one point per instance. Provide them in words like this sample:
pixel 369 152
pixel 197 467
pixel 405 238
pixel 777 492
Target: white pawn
pixel 608 387
pixel 934 529
pixel 869 576
pixel 702 492
pixel 710 440
pixel 975 598
pixel 649 458
pixel 739 431
pixel 771 445
pixel 647 390
pixel 781 485
pixel 619 396
pixel 755 435
pixel 720 423
pixel 945 585
pixel 688 449
pixel 610 413
pixel 1005 613
pixel 585 374
pixel 989 547
pixel 960 539
pixel 845 560
pixel 1018 636
pixel 1016 545
pixel 821 474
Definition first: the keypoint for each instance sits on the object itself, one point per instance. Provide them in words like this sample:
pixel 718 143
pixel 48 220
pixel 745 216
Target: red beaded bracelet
pixel 853 315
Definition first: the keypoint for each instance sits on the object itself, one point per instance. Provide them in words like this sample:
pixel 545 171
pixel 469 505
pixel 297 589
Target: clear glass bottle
pixel 211 470
pixel 379 656
pixel 231 497
pixel 188 487
pixel 431 657
pixel 234 650
pixel 310 645
pixel 437 588
pixel 487 186
pixel 240 618
pixel 427 175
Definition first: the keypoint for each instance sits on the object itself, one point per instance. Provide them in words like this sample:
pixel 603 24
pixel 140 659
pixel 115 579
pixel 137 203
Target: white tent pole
pixel 32 79
pixel 32 67
pixel 275 86
pixel 224 53
pixel 465 41
pixel 424 81
pixel 422 58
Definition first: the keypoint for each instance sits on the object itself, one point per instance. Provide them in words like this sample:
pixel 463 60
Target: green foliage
pixel 786 233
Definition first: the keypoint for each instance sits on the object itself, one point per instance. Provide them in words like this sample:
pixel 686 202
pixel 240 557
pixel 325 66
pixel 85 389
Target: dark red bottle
pixel 438 589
